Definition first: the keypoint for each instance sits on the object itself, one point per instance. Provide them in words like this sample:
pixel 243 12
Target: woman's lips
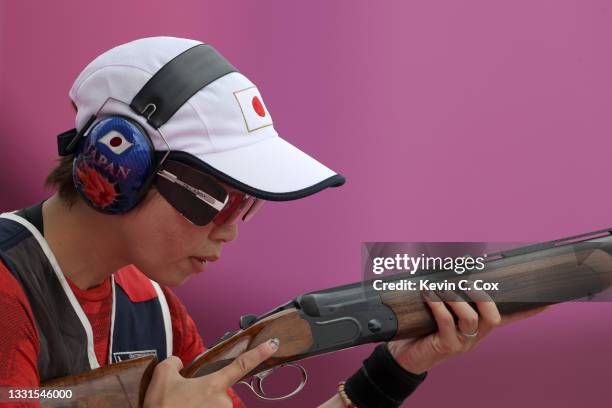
pixel 198 263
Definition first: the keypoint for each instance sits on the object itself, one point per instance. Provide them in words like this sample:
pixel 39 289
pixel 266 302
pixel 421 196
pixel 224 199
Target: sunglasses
pixel 200 198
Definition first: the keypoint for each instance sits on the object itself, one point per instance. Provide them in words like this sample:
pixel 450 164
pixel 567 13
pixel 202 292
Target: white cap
pixel 224 129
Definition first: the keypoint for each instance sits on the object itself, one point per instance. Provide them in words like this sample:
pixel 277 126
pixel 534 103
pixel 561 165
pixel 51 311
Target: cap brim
pixel 271 169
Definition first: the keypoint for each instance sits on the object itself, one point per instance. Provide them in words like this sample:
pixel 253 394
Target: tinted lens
pixel 186 202
pixel 239 206
pixel 232 209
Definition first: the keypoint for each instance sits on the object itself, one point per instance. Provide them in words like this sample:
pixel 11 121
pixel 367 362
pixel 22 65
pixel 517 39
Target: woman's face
pixel 167 247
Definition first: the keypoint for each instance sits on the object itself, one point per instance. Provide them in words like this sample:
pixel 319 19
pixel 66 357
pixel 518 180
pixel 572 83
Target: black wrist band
pixel 381 382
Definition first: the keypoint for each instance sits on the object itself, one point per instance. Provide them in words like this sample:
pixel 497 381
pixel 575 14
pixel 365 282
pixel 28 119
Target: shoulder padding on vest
pixel 135 284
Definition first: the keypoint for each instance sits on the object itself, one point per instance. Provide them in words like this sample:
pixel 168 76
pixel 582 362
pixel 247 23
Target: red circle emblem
pixel 258 106
pixel 115 141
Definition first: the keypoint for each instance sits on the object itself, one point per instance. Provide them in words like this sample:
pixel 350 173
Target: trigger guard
pixel 256 383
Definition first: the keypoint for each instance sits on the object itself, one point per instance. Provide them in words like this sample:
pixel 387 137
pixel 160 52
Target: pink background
pixel 473 120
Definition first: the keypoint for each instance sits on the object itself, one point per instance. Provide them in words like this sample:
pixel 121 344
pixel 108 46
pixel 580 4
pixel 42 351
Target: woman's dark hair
pixel 61 179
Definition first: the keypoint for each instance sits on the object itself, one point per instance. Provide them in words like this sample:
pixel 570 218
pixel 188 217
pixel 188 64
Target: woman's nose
pixel 225 232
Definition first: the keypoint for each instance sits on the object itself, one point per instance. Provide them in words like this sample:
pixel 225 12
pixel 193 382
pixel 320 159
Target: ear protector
pixel 113 164
pixel 115 161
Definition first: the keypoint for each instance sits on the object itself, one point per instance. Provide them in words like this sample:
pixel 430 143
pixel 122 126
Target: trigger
pixel 247 320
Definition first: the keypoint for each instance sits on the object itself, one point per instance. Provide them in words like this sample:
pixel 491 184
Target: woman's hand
pixel 169 389
pixel 418 356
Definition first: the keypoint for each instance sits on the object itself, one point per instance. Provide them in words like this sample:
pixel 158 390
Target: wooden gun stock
pixel 117 385
pixel 338 318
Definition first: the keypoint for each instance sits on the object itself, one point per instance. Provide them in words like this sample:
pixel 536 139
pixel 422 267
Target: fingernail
pixel 274 343
pixel 428 295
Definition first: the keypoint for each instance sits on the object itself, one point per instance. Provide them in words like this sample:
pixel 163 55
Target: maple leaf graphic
pixel 96 187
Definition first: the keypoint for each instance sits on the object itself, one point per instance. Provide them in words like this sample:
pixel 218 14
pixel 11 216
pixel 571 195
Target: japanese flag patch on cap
pixel 224 128
pixel 253 109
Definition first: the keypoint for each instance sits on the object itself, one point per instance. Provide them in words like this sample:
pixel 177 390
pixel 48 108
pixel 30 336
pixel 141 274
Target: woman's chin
pixel 170 279
pixel 175 279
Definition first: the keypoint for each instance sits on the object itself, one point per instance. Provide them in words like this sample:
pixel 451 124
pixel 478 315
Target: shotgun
pixel 341 317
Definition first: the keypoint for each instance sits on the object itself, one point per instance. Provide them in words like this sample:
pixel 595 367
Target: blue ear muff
pixel 113 165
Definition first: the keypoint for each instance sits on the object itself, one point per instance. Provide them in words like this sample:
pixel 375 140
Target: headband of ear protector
pixel 115 161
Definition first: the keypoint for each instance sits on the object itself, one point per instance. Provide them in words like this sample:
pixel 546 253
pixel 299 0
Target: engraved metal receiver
pixel 337 319
pixel 256 382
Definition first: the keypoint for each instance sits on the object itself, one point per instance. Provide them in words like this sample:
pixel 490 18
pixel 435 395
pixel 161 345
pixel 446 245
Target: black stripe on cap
pixel 177 81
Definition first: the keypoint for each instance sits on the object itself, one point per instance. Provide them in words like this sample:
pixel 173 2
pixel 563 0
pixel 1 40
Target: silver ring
pixel 469 334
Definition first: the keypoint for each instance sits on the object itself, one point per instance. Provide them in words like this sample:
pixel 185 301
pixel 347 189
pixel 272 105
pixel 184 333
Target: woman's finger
pixel 489 316
pixel 447 330
pixel 246 362
pixel 468 319
pixel 484 298
pixel 169 367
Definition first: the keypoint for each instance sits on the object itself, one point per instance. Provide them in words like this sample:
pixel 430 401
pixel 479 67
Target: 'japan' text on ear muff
pixel 115 161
